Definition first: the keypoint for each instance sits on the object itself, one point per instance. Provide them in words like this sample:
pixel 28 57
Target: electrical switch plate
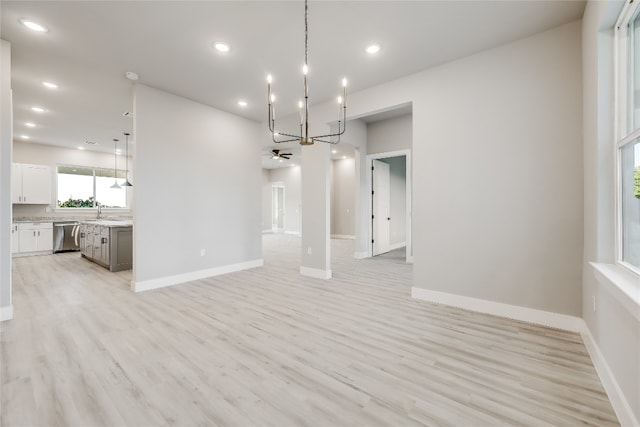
pixel 309 250
pixel 202 252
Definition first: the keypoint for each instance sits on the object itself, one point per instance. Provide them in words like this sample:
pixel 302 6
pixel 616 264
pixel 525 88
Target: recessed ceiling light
pixel 50 85
pixel 90 142
pixel 280 160
pixel 24 136
pixel 37 109
pixel 373 48
pixel 133 76
pixel 222 47
pixel 80 148
pixel 242 103
pixel 344 157
pixel 33 26
pixel 334 151
pixel 118 151
pixel 29 124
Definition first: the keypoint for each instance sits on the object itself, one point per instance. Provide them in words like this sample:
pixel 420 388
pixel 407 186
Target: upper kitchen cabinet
pixel 31 184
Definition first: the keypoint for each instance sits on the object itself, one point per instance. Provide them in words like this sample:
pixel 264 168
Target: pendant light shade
pixel 115 164
pixel 126 182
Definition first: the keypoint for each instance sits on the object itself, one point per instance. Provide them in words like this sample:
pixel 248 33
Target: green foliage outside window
pixel 636 187
pixel 76 203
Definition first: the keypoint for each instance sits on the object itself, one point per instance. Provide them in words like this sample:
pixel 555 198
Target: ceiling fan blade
pixel 286 154
pixel 284 157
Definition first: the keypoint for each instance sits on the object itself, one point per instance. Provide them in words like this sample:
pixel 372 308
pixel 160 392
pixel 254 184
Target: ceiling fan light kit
pixel 303 106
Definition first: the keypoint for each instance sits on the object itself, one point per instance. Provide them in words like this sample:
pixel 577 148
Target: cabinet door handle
pixel 104 240
pixel 82 235
pixel 34 234
pixel 38 233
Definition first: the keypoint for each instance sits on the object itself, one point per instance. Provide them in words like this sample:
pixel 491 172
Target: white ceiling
pixel 91 44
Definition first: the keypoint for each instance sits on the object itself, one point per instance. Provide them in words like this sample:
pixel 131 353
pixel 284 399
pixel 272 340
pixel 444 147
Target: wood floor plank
pixel 269 347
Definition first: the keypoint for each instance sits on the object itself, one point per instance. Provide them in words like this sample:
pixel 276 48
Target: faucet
pixel 99 211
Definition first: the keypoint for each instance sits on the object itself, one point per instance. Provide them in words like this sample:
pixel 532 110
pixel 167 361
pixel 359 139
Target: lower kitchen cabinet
pixel 15 239
pixel 110 245
pixel 32 237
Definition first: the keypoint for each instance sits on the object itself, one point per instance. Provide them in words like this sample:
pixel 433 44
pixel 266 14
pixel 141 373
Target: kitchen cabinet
pixel 86 240
pixel 108 243
pixel 34 237
pixel 30 184
pixel 15 239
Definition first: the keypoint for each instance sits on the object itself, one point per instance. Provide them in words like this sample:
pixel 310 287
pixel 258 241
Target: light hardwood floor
pixel 268 347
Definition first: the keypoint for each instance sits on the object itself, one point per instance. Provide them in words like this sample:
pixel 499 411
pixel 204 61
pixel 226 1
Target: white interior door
pixel 277 208
pixel 381 207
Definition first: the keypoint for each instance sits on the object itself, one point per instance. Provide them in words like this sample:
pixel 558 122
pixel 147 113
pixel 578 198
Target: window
pixel 628 137
pixel 86 187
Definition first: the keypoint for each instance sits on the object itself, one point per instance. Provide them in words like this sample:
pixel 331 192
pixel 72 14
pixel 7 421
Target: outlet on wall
pixel 202 252
pixel 309 250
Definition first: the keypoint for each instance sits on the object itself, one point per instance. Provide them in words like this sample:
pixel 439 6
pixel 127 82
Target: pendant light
pixel 115 164
pixel 126 182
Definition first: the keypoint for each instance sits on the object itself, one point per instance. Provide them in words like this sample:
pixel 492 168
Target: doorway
pixel 390 203
pixel 277 208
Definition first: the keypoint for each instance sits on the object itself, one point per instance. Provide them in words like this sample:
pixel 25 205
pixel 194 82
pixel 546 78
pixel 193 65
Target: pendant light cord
pixel 306 31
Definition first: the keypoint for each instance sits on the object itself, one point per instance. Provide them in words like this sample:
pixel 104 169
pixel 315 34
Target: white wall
pixel 615 324
pixel 398 200
pixel 497 187
pixel 266 200
pixel 189 196
pixel 343 197
pixel 6 136
pixel 290 177
pixel 51 156
pixel 392 134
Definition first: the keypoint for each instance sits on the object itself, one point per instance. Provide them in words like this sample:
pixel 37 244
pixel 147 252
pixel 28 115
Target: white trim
pixel 35 253
pixel 616 396
pixel 162 282
pixel 315 273
pixel 621 284
pixel 361 255
pixel 409 259
pixel 525 314
pixel 397 246
pixel 293 233
pixel 343 236
pixel 268 231
pixel 6 313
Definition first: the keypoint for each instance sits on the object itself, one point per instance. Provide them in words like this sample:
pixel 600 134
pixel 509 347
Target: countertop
pixel 109 222
pixel 88 220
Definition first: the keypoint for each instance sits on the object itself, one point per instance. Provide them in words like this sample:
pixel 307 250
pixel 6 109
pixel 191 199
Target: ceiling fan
pixel 276 154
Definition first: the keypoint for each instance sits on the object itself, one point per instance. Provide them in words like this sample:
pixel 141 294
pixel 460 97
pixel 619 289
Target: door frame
pixel 284 199
pixel 409 190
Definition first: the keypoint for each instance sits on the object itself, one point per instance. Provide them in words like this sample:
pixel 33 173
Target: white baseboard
pixel 315 273
pixel 397 245
pixel 343 236
pixel 24 254
pixel 516 312
pixel 360 255
pixel 616 396
pixel 268 231
pixel 162 282
pixel 294 233
pixel 6 313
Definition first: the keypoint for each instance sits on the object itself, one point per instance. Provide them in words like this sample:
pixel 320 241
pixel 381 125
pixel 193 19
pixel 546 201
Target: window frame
pixel 624 134
pixel 94 208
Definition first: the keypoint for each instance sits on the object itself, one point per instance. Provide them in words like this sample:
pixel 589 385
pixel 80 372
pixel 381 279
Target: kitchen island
pixel 108 243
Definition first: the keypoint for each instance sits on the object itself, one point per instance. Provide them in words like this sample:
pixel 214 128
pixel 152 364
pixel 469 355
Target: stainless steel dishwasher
pixel 65 236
